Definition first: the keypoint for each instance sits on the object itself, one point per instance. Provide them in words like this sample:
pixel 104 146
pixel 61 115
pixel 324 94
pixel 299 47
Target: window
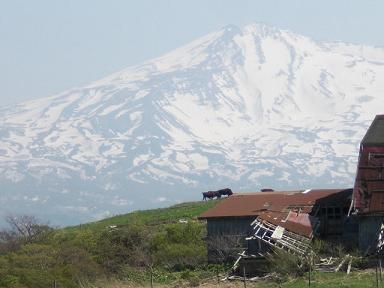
pixel 332 212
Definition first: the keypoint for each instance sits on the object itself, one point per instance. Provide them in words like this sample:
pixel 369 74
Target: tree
pixel 224 248
pixel 125 246
pixel 22 229
pixel 8 241
pixel 26 227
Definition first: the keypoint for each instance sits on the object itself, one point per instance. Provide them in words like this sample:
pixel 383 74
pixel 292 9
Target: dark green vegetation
pixel 167 243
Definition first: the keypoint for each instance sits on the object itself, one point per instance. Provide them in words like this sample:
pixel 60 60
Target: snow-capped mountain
pixel 241 108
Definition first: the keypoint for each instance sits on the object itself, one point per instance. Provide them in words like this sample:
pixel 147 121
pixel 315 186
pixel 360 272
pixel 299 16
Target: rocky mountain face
pixel 242 108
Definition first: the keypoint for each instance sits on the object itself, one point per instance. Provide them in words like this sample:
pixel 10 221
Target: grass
pixel 187 211
pixel 358 279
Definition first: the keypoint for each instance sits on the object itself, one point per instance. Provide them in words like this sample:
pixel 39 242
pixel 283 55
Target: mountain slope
pixel 243 108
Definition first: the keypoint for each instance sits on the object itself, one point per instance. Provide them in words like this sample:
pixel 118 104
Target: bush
pixel 38 265
pixel 78 263
pixel 286 264
pixel 128 246
pixel 179 246
pixel 10 281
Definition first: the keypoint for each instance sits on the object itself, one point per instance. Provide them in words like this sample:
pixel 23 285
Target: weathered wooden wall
pixel 369 229
pixel 233 230
pixel 229 226
pixel 227 235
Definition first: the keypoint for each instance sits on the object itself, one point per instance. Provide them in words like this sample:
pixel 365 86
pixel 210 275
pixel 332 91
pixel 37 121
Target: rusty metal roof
pixel 252 204
pixel 297 222
pixel 288 209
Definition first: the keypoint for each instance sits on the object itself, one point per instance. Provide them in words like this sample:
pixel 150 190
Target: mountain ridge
pixel 243 108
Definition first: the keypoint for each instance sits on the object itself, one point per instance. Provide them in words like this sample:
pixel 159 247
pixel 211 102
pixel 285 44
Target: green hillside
pixel 153 217
pixel 167 241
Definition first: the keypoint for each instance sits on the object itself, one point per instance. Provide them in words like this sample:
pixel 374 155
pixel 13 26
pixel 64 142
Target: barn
pixel 251 223
pixel 368 193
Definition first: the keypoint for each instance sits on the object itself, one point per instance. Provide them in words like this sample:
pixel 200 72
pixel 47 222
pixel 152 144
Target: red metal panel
pixel 369 180
pixel 299 223
pixel 377 202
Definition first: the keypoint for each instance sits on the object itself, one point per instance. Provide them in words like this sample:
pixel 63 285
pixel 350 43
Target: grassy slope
pixel 85 235
pixel 187 211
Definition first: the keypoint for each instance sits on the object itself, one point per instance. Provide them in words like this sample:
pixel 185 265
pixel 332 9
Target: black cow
pixel 217 194
pixel 210 195
pixel 226 191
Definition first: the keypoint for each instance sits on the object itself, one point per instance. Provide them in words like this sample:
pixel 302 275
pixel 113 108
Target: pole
pixel 377 278
pixel 244 279
pixel 309 272
pixel 151 278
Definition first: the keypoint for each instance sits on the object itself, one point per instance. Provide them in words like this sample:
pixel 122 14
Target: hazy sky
pixel 49 46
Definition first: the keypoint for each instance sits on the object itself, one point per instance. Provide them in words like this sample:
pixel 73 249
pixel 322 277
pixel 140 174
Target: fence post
pixel 377 276
pixel 151 277
pixel 244 279
pixel 309 275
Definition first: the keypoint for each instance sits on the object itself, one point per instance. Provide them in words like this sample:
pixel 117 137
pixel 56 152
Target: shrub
pixel 285 264
pixel 78 263
pixel 38 265
pixel 179 246
pixel 10 281
pixel 128 246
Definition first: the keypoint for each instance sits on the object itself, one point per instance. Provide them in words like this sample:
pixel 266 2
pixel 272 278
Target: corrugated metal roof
pixel 299 223
pixel 252 204
pixel 288 209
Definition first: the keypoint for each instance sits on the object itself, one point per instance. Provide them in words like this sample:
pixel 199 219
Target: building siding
pixel 226 237
pixel 369 229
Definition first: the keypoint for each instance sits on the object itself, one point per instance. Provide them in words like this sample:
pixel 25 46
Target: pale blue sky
pixel 49 46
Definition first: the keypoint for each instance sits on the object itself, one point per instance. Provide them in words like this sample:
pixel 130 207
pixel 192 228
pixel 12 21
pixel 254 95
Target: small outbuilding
pixel 253 222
